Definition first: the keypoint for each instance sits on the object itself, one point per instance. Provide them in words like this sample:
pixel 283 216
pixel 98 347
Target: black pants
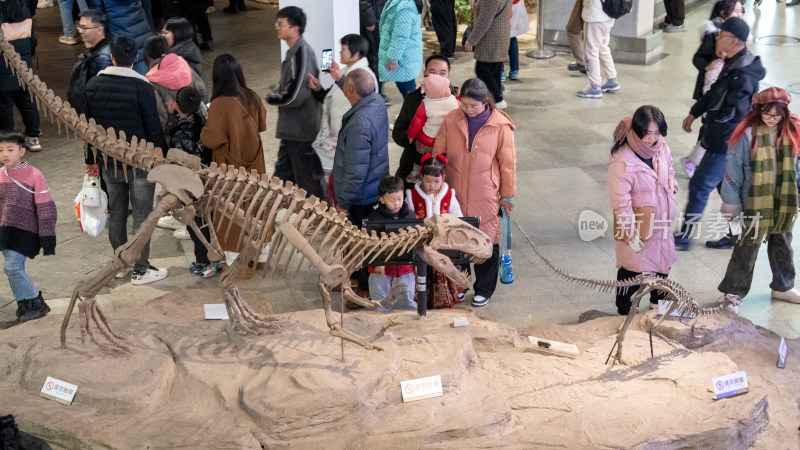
pixel 624 295
pixel 200 250
pixel 739 275
pixel 373 41
pixel 298 162
pixel 676 11
pixel 356 215
pixel 443 16
pixel 27 109
pixel 489 73
pixel 409 157
pixel 486 274
pixel 198 18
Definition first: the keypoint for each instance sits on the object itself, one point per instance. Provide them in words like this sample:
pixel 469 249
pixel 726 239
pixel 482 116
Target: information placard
pixel 728 385
pixel 58 390
pixel 215 311
pixel 421 388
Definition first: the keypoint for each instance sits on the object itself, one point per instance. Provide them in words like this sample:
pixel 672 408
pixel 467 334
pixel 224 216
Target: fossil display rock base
pixel 191 383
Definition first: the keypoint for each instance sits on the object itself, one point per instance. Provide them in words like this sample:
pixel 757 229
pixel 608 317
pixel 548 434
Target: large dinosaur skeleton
pixel 682 302
pixel 254 203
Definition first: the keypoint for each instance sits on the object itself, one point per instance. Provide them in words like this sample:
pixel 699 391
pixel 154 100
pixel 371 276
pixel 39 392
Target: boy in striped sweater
pixel 27 222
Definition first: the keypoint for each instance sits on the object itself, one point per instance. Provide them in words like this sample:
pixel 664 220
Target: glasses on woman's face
pixel 471 106
pixel 772 116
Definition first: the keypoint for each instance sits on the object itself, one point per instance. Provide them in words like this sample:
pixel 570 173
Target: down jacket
pixel 168 75
pixel 401 41
pixel 362 152
pixel 126 18
pixel 483 175
pixel 632 183
pixel 115 86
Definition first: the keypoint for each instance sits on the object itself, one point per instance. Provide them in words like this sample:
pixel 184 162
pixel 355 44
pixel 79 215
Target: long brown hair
pixel 228 81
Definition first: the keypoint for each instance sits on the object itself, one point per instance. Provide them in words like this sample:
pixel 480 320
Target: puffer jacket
pixel 190 52
pixel 491 30
pixel 729 99
pixel 168 75
pixel 115 86
pixel 632 183
pixel 401 41
pixel 18 31
pixel 126 18
pixel 362 153
pixel 482 176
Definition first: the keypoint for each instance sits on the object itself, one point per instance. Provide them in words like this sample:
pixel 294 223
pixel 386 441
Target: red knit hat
pixel 772 95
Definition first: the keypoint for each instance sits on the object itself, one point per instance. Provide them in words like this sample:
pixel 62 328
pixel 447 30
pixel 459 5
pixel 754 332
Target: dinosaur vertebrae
pixel 250 199
pixel 685 303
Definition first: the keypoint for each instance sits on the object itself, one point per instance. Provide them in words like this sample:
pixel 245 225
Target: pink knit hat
pixel 436 86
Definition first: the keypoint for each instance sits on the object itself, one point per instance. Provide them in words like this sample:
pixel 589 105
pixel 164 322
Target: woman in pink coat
pixel 641 190
pixel 482 168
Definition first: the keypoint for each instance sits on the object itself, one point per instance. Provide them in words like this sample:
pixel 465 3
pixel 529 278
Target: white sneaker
pixel 791 296
pixel 501 105
pixel 150 275
pixel 731 303
pixel 169 223
pixel 123 273
pixel 181 234
pixel 479 301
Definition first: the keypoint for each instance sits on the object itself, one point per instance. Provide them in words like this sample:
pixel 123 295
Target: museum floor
pixel 562 148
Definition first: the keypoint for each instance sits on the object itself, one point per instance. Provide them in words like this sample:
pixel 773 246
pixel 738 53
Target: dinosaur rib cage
pixel 227 188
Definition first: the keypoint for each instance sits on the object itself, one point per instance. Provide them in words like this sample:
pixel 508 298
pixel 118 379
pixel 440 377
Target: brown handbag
pixel 643 215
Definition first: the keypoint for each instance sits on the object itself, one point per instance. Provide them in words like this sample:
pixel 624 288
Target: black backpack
pixel 617 8
pixel 76 91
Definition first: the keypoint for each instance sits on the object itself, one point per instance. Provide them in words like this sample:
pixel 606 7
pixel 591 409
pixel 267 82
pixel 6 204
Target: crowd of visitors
pixel 459 152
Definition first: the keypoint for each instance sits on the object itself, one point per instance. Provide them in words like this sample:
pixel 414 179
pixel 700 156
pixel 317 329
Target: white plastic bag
pixel 91 207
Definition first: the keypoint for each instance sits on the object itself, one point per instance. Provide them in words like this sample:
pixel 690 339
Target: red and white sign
pixel 58 390
pixel 421 388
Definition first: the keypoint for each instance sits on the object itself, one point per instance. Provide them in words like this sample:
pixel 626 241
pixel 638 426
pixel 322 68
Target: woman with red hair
pixel 760 188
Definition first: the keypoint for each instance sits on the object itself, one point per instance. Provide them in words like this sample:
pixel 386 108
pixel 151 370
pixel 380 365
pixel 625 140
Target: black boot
pixel 22 307
pixel 724 243
pixel 38 309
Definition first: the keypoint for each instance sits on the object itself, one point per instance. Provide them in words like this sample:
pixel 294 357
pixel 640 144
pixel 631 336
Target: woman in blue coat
pixel 400 51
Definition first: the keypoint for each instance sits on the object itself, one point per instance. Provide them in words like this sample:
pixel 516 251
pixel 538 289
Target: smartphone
pixel 327 58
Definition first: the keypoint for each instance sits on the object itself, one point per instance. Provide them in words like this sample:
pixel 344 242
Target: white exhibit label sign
pixel 727 385
pixel 216 311
pixel 421 388
pixel 459 322
pixel 782 354
pixel 58 390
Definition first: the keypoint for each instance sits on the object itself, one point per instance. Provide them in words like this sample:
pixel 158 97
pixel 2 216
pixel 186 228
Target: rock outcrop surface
pixel 191 384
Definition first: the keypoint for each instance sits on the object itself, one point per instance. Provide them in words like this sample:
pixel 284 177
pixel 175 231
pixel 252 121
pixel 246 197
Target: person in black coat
pixel 119 97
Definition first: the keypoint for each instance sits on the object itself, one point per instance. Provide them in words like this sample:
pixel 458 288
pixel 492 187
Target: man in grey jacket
pixel 299 113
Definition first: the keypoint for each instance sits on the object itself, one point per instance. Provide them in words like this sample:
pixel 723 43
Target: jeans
pixel 380 285
pixel 298 162
pixel 27 109
pixel 21 284
pixel 120 193
pixel 406 87
pixel 66 15
pixel 513 54
pixel 200 250
pixel 707 176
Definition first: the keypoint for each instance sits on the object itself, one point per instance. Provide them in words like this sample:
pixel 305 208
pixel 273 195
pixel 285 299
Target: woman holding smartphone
pixel 641 190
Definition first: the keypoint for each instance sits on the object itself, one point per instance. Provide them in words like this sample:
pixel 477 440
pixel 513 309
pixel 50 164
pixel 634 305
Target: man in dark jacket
pixel 299 114
pixel 119 97
pixel 362 151
pixel 725 104
pixel 370 18
pixel 127 18
pixel 410 159
pixel 92 28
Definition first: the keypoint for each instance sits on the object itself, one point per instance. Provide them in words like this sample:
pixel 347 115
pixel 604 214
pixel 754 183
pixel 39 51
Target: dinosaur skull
pixel 451 233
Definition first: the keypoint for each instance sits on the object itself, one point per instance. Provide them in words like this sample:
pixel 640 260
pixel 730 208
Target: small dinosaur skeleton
pixel 253 202
pixel 682 301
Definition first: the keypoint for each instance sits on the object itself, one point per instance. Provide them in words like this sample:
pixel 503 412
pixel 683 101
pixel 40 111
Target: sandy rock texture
pixel 190 383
